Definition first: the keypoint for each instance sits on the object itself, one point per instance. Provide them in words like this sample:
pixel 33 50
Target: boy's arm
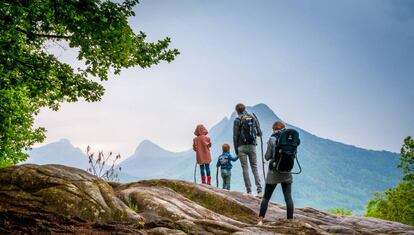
pixel 234 158
pixel 218 162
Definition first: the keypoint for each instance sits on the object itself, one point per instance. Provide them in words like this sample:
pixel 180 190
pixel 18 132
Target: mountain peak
pixel 261 106
pixel 64 141
pixel 147 145
pixel 262 110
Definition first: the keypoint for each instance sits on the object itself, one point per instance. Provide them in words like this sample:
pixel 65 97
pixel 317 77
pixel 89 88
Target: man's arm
pixel 258 130
pixel 236 125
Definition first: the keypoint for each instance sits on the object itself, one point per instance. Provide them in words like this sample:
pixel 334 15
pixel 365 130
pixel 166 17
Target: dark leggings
pixel 206 167
pixel 287 193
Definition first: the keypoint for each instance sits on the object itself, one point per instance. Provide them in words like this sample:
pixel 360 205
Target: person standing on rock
pixel 274 177
pixel 201 145
pixel 245 131
pixel 224 162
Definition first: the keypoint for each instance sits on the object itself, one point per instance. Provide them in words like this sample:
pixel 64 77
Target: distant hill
pixel 151 161
pixel 61 152
pixel 335 175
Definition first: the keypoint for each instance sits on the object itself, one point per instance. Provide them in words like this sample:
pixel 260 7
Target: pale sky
pixel 342 70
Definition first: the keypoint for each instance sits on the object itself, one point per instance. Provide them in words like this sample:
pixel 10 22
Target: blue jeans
pixel 207 169
pixel 226 176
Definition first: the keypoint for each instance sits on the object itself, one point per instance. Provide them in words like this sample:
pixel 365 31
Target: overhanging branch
pixel 43 35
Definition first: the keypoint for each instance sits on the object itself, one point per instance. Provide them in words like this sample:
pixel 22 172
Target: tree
pixel 31 78
pixel 407 159
pixel 397 204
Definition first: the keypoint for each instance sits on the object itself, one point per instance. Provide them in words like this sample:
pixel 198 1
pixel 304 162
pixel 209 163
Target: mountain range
pixel 335 175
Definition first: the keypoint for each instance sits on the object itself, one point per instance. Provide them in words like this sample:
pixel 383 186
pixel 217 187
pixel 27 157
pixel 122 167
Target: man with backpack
pixel 281 152
pixel 245 131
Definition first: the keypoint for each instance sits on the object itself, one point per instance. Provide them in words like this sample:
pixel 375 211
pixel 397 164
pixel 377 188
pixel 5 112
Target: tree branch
pixel 43 35
pixel 26 73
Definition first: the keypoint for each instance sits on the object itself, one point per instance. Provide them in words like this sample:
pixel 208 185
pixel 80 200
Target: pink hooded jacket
pixel 201 145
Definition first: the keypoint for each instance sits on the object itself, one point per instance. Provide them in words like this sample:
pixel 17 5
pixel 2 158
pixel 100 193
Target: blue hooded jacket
pixel 224 161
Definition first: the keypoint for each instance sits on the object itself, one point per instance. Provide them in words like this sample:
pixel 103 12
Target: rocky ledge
pixel 53 199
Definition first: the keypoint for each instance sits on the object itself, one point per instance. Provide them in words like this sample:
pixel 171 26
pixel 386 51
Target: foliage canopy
pixel 397 204
pixel 32 78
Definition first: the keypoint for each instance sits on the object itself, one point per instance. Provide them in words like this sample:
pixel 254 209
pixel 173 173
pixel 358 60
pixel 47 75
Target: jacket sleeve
pixel 208 142
pixel 218 162
pixel 236 133
pixel 234 158
pixel 194 145
pixel 270 149
pixel 258 130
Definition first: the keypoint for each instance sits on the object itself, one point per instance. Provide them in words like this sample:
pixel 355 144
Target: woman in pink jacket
pixel 201 145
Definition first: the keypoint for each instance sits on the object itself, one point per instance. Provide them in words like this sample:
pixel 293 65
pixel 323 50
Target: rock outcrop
pixel 53 199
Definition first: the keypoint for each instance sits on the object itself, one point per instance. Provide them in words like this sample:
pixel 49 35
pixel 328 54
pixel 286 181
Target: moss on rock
pixel 218 203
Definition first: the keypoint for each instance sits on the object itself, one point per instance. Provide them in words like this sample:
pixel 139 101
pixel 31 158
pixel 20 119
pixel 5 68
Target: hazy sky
pixel 342 70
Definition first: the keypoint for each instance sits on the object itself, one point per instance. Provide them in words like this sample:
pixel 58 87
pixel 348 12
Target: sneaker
pixel 259 194
pixel 260 221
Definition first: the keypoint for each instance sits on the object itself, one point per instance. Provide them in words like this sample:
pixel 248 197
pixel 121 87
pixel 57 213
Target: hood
pixel 200 130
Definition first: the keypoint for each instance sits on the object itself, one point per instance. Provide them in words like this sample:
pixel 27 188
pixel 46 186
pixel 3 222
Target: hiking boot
pixel 259 194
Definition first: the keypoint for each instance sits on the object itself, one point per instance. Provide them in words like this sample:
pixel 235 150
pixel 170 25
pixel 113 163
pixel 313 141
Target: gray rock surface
pixel 53 199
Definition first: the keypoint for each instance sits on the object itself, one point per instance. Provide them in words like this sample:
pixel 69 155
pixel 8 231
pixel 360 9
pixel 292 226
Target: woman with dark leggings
pixel 273 178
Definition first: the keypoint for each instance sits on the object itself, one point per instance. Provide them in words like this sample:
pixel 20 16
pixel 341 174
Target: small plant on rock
pixel 132 205
pixel 340 211
pixel 98 165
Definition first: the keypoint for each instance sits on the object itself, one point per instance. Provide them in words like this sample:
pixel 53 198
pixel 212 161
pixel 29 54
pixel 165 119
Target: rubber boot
pixel 209 180
pixel 203 179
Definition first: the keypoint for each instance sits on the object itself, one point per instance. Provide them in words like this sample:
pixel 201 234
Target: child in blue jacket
pixel 224 161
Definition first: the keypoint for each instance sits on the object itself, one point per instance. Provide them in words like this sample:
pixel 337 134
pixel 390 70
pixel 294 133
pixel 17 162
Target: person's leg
pixel 287 193
pixel 208 174
pixel 224 175
pixel 253 165
pixel 207 166
pixel 228 180
pixel 245 168
pixel 203 173
pixel 269 188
